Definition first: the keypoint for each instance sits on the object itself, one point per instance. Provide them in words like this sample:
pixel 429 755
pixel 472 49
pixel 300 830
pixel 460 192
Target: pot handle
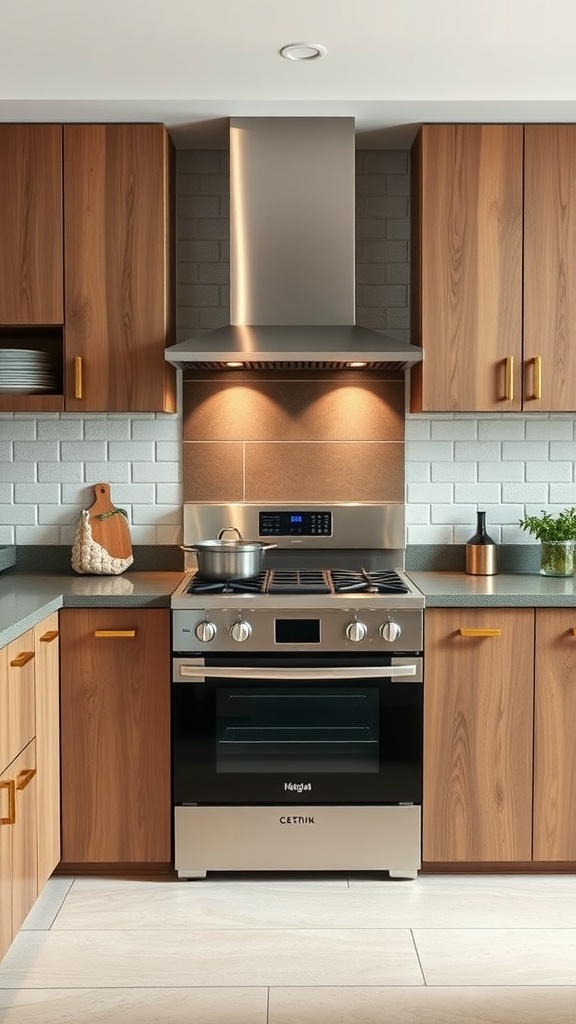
pixel 226 529
pixel 266 547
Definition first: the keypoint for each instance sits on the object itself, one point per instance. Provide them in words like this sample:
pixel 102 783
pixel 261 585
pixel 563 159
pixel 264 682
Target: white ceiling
pixel 391 64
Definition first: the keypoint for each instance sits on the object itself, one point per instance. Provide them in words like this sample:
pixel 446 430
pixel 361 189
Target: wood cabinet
pixel 555 727
pixel 494 298
pixel 31 278
pixel 103 251
pixel 47 706
pixel 115 735
pixel 21 695
pixel 24 836
pixel 117 250
pixel 478 698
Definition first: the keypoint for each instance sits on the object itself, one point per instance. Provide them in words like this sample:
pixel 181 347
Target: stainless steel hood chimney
pixel 292 254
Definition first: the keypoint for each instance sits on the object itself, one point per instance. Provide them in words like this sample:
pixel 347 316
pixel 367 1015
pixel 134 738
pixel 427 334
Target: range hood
pixel 292 255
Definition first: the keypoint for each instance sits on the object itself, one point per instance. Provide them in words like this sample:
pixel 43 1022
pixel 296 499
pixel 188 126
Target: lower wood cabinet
pixel 115 735
pixel 499 725
pixel 478 700
pixel 47 675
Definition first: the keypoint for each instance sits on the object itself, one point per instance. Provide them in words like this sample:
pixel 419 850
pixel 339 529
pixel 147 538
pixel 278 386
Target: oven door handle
pixel 195 674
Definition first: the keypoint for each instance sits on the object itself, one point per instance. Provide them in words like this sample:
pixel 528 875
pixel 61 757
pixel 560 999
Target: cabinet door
pixel 7 805
pixel 4 721
pixel 118 267
pixel 31 281
pixel 554 728
pixel 47 678
pixel 478 696
pixel 115 727
pixel 21 711
pixel 550 268
pixel 24 836
pixel 467 268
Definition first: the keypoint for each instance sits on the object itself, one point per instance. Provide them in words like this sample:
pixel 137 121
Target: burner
pixel 381 582
pixel 249 585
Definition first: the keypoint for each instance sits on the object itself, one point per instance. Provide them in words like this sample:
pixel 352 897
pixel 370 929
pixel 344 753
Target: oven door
pixel 297 729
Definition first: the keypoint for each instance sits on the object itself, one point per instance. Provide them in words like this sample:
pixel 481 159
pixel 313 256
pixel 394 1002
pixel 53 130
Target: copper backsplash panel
pixel 292 435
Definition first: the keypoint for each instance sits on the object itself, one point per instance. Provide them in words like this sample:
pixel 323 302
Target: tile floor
pixel 326 949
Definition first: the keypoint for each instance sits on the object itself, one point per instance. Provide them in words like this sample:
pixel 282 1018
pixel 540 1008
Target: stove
pixel 297 696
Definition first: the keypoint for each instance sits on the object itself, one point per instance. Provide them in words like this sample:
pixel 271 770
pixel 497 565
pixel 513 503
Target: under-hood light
pixel 234 366
pixel 355 366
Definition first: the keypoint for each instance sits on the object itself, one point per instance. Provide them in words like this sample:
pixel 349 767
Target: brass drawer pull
pixel 509 391
pixel 25 777
pixel 104 633
pixel 22 659
pixel 10 785
pixel 78 383
pixel 573 630
pixel 480 632
pixel 48 637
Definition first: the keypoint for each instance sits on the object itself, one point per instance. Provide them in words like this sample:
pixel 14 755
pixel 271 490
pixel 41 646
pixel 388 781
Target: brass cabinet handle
pixel 78 383
pixel 104 633
pixel 10 785
pixel 48 637
pixel 573 630
pixel 509 389
pixel 22 659
pixel 25 777
pixel 480 632
pixel 537 362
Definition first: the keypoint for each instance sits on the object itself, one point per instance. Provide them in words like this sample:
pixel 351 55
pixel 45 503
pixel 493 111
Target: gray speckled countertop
pixel 27 598
pixel 511 590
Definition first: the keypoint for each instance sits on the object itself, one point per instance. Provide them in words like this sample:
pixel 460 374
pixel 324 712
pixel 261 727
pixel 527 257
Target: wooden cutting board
pixel 109 526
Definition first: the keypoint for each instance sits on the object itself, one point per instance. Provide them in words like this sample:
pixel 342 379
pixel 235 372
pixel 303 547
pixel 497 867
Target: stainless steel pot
pixel 229 559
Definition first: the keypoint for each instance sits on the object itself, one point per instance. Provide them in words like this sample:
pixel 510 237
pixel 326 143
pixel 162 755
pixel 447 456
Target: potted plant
pixel 557 535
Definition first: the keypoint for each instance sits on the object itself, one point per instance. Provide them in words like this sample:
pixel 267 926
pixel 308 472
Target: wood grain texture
pixel 47 680
pixel 112 532
pixel 117 243
pixel 478 697
pixel 31 278
pixel 550 265
pixel 4 721
pixel 21 711
pixel 115 724
pixel 24 839
pixel 6 933
pixel 467 284
pixel 554 731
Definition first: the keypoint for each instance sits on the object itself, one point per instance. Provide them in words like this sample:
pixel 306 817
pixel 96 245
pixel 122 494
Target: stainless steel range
pixel 297 696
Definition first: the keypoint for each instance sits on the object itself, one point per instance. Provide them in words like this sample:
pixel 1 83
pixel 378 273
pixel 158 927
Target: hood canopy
pixel 292 254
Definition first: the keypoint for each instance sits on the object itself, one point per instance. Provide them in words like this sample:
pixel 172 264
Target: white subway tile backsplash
pixel 16 471
pixel 81 451
pixel 36 451
pixel 502 429
pixel 107 430
pixel 454 472
pixel 552 472
pixel 417 428
pixel 430 493
pixel 59 472
pixel 478 493
pixel 60 429
pixel 6 449
pixel 107 472
pixel 515 471
pixel 562 451
pixel 37 535
pixel 166 429
pixel 156 472
pixel 19 429
pixel 168 451
pixel 429 451
pixel 419 472
pixel 549 429
pixel 17 515
pixel 563 494
pixel 429 535
pixel 525 450
pixel 454 430
pixel 6 493
pixel 36 494
pixel 524 493
pixel 477 451
pixel 453 515
pixel 131 451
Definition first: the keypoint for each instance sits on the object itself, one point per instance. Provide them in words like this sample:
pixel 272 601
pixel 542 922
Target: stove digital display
pixel 295 524
pixel 297 631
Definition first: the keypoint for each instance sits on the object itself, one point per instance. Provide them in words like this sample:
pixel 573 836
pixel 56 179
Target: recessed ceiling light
pixel 234 366
pixel 356 365
pixel 303 51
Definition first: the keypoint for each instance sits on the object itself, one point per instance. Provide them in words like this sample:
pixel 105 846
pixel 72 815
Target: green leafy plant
pixel 551 528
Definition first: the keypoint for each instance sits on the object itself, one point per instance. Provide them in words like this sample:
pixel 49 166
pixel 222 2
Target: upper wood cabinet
pixel 31 281
pixel 86 243
pixel 550 267
pixel 117 252
pixel 467 267
pixel 494 268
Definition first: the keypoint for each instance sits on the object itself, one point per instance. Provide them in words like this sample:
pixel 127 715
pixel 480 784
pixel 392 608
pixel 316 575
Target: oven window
pixel 288 729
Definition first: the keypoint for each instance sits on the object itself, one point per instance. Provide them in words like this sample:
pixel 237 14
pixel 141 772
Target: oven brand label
pixel 297 787
pixel 297 819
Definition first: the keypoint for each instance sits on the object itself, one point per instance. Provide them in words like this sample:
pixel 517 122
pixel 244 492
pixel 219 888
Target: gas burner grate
pixel 299 581
pixel 249 585
pixel 362 582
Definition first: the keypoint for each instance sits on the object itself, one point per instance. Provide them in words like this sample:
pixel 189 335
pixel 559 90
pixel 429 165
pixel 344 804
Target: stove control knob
pixel 205 631
pixel 356 631
pixel 390 631
pixel 240 631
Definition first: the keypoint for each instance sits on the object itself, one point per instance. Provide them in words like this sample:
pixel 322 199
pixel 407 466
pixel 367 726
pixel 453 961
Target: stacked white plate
pixel 25 371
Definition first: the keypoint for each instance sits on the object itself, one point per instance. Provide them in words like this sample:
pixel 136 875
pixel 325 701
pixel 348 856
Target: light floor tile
pixel 422 1006
pixel 48 903
pixel 83 959
pixel 426 902
pixel 505 956
pixel 135 1006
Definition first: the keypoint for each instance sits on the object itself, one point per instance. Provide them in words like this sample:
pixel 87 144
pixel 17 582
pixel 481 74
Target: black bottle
pixel 481 551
